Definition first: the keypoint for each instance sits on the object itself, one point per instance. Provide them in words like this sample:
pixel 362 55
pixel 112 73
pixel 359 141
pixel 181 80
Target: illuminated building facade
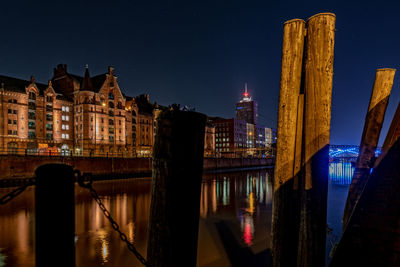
pixel 34 117
pixel 74 115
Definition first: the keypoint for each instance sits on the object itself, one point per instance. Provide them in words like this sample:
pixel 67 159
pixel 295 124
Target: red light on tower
pixel 245 94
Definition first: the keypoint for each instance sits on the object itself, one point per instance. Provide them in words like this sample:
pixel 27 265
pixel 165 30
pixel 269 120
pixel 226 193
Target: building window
pixel 9 132
pixel 49 99
pixel 15 111
pixel 15 122
pixel 32 96
pixel 31 125
pixel 49 136
pixel 31 135
pixel 110 122
pixel 49 107
pixel 9 111
pixel 65 117
pixel 15 132
pixel 111 113
pixel 102 120
pixel 49 117
pixel 111 138
pixel 110 104
pixel 49 127
pixel 31 105
pixel 110 95
pixel 9 121
pixel 91 118
pixel 119 122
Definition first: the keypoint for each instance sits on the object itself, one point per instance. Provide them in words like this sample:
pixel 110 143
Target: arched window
pixel 133 121
pixel 32 96
pixel 119 105
pixel 110 104
pixel 110 95
pixel 133 113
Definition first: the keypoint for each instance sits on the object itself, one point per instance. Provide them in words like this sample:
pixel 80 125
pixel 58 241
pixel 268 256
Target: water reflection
pixel 241 200
pixel 341 172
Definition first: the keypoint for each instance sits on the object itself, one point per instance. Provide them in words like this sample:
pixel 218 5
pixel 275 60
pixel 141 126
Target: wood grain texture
pixel 285 210
pixel 318 92
pixel 291 70
pixel 370 137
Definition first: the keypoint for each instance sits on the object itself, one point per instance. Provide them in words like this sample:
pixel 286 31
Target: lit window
pixel 67 118
pixel 67 109
pixel 63 117
pixel 63 127
pixel 63 136
pixel 66 136
pixel 63 108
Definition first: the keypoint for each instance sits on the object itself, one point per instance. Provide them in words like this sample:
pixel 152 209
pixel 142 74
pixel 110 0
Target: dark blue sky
pixel 200 53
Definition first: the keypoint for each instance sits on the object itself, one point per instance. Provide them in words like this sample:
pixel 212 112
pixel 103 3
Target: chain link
pixel 13 194
pixel 87 183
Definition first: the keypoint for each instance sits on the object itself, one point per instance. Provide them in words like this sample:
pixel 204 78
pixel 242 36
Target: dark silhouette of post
pixel 285 208
pixel 176 187
pixel 55 215
pixel 317 117
pixel 370 137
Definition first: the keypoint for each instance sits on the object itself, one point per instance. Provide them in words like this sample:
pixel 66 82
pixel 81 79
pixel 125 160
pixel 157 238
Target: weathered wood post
pixel 317 117
pixel 175 204
pixel 391 136
pixel 284 209
pixel 370 137
pixel 55 215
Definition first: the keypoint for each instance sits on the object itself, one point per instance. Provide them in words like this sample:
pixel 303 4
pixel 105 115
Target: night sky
pixel 200 53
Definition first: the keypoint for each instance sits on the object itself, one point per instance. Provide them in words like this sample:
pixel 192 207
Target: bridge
pixel 341 162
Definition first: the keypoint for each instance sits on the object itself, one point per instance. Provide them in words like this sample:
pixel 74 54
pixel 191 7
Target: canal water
pixel 234 226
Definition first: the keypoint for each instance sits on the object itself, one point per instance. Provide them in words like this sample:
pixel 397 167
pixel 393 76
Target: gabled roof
pixel 19 85
pixel 98 81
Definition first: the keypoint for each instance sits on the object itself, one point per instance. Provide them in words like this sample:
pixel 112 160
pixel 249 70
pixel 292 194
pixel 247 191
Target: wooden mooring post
pixel 285 205
pixel 55 215
pixel 176 187
pixel 370 137
pixel 301 170
pixel 319 52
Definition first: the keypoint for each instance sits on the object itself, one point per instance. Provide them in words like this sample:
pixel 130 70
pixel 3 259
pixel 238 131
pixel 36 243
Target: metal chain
pixel 88 185
pixel 13 194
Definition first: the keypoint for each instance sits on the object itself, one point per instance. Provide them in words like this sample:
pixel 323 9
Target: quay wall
pixel 24 166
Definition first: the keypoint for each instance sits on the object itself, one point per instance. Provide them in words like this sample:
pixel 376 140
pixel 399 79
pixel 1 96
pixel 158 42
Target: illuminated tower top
pixel 246 108
pixel 246 95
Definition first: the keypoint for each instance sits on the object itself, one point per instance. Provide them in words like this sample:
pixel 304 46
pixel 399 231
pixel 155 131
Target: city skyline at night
pixel 201 55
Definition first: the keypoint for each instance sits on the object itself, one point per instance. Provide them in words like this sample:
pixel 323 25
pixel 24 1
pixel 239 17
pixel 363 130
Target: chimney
pixel 111 70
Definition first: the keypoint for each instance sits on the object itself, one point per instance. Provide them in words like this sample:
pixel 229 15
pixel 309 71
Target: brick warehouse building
pixel 79 116
pixel 74 115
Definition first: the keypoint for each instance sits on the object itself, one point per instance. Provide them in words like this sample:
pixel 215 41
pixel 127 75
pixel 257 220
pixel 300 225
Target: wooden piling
pixel 284 229
pixel 176 187
pixel 370 137
pixel 318 92
pixel 55 215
